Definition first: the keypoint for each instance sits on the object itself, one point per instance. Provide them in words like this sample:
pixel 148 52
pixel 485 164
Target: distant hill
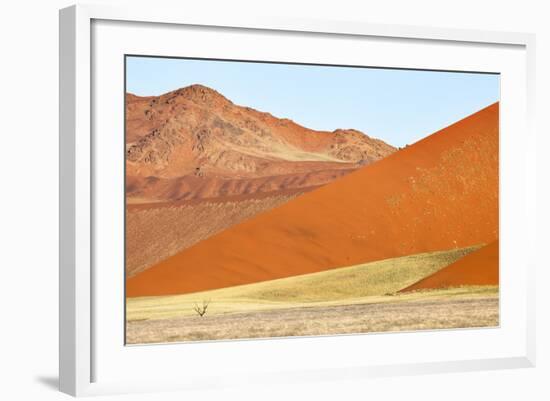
pixel 193 143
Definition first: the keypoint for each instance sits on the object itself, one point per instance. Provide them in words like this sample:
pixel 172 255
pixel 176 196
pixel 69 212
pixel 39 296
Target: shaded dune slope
pixel 477 268
pixel 440 193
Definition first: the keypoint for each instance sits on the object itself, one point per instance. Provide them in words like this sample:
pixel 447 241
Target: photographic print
pixel 270 199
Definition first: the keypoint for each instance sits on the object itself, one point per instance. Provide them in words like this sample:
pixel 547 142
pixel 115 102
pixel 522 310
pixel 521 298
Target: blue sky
pixel 398 106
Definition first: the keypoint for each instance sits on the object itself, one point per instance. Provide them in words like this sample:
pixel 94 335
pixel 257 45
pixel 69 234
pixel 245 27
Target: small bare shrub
pixel 201 310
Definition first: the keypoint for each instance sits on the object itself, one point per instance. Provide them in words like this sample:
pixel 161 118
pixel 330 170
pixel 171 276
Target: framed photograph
pixel 273 200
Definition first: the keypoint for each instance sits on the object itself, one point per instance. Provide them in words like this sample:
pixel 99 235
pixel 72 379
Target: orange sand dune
pixel 477 268
pixel 440 193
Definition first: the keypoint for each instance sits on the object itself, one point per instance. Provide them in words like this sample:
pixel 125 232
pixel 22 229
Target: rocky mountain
pixel 193 143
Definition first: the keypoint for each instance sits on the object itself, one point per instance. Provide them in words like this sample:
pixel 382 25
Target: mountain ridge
pixel 196 131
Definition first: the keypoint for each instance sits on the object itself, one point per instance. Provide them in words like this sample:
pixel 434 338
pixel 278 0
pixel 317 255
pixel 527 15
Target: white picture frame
pixel 79 316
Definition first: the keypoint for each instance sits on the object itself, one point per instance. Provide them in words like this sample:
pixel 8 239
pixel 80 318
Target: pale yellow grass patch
pixel 366 283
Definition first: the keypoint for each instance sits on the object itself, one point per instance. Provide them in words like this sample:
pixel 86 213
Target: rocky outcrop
pixel 197 132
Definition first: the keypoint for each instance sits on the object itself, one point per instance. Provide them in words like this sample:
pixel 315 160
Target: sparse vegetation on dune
pixel 157 232
pixel 370 282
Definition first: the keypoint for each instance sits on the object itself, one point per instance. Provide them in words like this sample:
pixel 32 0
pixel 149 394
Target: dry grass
pixel 337 286
pixel 356 299
pixel 294 154
pixel 419 314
